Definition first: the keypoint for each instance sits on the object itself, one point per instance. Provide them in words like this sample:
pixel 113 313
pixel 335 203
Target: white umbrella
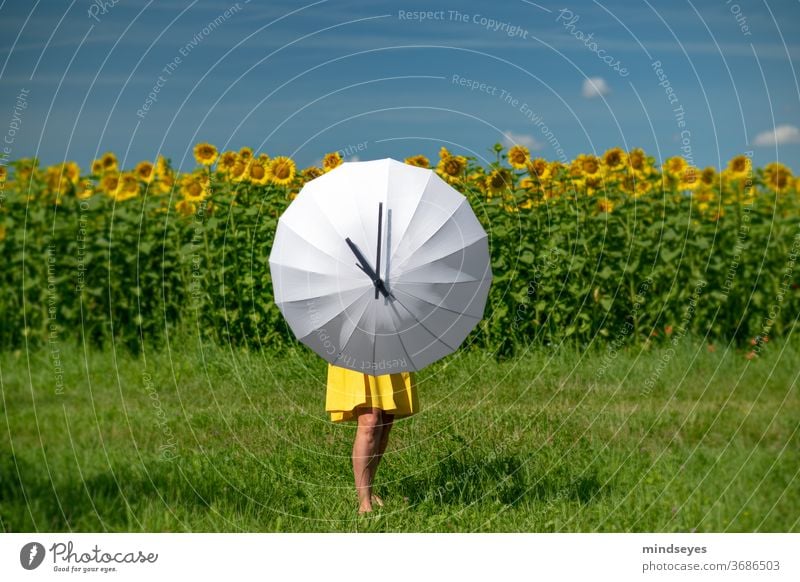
pixel 380 267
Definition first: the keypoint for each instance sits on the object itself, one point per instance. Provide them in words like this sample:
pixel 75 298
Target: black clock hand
pixel 362 261
pixel 378 258
pixel 364 266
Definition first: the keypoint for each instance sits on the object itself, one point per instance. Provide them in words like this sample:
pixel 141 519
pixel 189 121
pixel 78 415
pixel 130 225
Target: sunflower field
pixel 606 248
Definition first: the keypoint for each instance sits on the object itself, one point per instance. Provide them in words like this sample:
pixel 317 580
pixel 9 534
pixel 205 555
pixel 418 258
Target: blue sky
pixel 305 78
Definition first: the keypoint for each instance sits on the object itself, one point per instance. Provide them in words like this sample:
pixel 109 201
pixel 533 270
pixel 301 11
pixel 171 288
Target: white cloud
pixel 510 138
pixel 782 134
pixel 595 87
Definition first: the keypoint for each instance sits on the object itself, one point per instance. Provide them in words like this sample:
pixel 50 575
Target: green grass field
pixel 208 438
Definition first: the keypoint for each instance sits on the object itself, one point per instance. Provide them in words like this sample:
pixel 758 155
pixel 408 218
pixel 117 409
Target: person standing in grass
pixel 373 402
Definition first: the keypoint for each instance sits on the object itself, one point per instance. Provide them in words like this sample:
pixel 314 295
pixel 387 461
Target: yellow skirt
pixel 348 389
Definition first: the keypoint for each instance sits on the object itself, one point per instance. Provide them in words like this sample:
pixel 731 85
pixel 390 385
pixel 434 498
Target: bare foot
pixel 365 508
pixel 377 500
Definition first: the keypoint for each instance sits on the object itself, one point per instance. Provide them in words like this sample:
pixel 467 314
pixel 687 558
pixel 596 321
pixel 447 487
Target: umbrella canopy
pixel 380 267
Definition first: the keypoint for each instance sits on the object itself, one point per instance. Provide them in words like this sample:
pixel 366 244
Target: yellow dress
pixel 349 389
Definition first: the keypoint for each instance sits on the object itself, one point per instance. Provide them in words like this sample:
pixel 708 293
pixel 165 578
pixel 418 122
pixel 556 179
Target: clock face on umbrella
pixel 380 267
pixel 374 273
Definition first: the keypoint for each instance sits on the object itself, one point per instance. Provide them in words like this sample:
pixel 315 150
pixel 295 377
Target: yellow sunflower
pixel 539 169
pixel 282 170
pixel 146 171
pixel 185 207
pixel 635 186
pixel 238 170
pixel 3 173
pixel 419 161
pixel 593 184
pixel 615 159
pixel 518 156
pixel 709 176
pixel 204 179
pixel 498 181
pixel 52 179
pixel 164 184
pixel 452 168
pixel 107 163
pixel 162 166
pixel 258 172
pixel 637 160
pixel 689 179
pixel 331 161
pixel 194 188
pixel 703 195
pixel 226 161
pixel 56 181
pixel 777 176
pixel 586 165
pixel 556 167
pixel 605 205
pixel 245 153
pixel 311 172
pixel 205 154
pixel 71 171
pixel 443 153
pixel 127 187
pixel 109 183
pixel 675 165
pixel 739 167
pixel 84 189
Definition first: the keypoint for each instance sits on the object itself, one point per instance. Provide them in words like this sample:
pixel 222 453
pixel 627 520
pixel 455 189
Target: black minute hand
pixel 378 257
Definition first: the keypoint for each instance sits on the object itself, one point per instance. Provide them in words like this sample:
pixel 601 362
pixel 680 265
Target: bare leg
pixel 387 421
pixel 365 454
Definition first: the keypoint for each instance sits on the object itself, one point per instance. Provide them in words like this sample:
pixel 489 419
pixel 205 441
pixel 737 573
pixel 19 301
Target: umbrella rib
pixel 470 279
pixel 339 291
pixel 437 306
pixel 352 332
pixel 315 297
pixel 402 345
pixel 413 214
pixel 327 321
pixel 435 232
pixel 466 244
pixel 374 338
pixel 284 265
pixel 360 217
pixel 442 258
pixel 335 258
pixel 400 336
pixel 451 348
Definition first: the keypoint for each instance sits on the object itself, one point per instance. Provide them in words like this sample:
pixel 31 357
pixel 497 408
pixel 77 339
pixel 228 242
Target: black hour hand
pixel 364 266
pixel 362 261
